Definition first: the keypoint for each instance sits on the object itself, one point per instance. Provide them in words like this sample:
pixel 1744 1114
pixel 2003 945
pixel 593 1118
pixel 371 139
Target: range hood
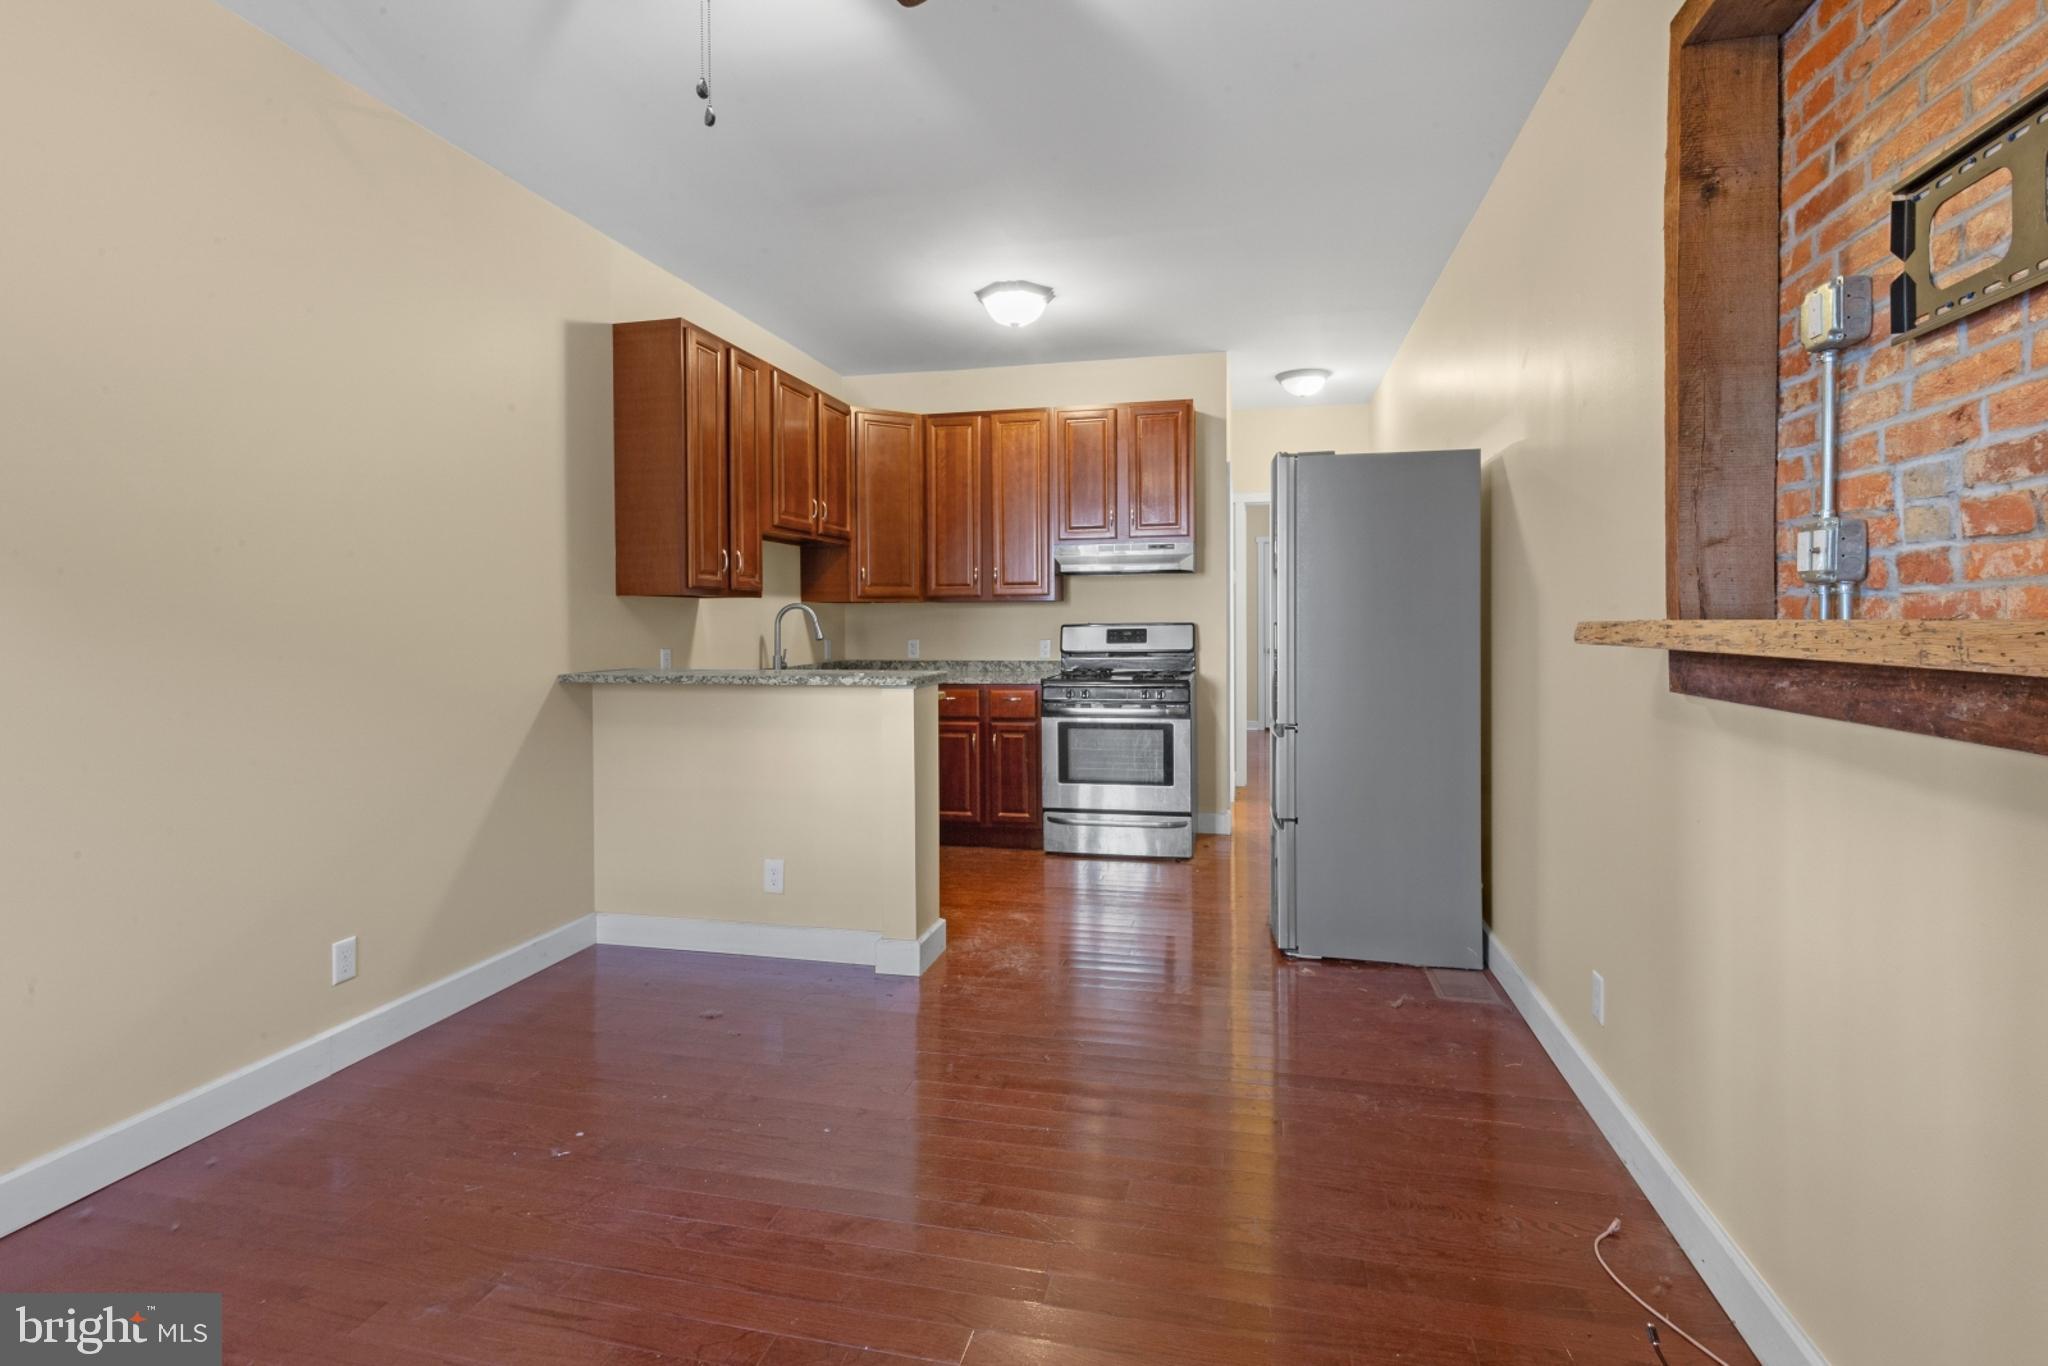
pixel 1125 557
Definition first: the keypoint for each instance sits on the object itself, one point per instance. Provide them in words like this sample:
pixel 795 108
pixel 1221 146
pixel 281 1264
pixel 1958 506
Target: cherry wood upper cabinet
pixel 708 554
pixel 885 562
pixel 669 479
pixel 888 501
pixel 793 464
pixel 835 469
pixel 1020 501
pixel 1159 468
pixel 953 505
pixel 1085 475
pixel 749 429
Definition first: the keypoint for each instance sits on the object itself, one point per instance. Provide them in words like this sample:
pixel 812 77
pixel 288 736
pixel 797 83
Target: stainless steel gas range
pixel 1119 742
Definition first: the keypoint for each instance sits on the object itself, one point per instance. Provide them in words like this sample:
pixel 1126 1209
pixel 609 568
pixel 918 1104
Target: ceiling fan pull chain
pixel 704 61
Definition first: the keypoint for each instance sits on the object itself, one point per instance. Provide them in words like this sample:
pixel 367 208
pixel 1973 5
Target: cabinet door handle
pixel 724 561
pixel 863 576
pixel 977 576
pixel 814 509
pixel 824 510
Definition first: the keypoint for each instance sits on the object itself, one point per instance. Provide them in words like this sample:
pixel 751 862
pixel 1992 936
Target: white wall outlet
pixel 771 876
pixel 1045 649
pixel 343 960
pixel 668 661
pixel 915 647
pixel 1599 999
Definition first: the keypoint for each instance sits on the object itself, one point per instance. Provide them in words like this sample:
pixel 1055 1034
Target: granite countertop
pixel 861 677
pixel 964 672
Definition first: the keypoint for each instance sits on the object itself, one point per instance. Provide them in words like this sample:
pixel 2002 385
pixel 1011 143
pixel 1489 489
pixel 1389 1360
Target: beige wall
pixel 1258 434
pixel 1013 630
pixel 1835 1036
pixel 305 501
pixel 841 784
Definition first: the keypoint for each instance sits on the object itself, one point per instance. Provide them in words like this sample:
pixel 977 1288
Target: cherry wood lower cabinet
pixel 988 767
pixel 885 561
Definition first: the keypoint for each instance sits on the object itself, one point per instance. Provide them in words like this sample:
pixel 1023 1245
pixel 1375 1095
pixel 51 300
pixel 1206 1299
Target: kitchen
pixel 976 537
pixel 442 932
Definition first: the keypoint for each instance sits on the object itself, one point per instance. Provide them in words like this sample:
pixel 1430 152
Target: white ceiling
pixel 1279 179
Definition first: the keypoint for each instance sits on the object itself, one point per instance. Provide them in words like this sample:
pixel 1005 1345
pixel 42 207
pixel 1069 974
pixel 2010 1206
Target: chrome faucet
pixel 817 632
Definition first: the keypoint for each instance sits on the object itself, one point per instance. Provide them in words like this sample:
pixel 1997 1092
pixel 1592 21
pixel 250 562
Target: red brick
pixel 1859 453
pixel 1878 609
pixel 2006 560
pixel 1884 362
pixel 1804 394
pixel 1881 120
pixel 2023 405
pixel 1805 180
pixel 1794 432
pixel 1870 407
pixel 1832 43
pixel 1878 577
pixel 1970 374
pixel 1828 198
pixel 1926 566
pixel 2011 73
pixel 2037 310
pixel 1794 504
pixel 1997 320
pixel 1938 432
pixel 1949 606
pixel 1935 345
pixel 2002 514
pixel 1936 123
pixel 1905 56
pixel 2028 602
pixel 1861 492
pixel 2009 22
pixel 2007 463
pixel 1884 532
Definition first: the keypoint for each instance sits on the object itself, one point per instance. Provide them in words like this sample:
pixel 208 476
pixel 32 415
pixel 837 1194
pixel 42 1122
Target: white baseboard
pixel 902 957
pixel 910 957
pixel 77 1170
pixel 1212 823
pixel 1757 1312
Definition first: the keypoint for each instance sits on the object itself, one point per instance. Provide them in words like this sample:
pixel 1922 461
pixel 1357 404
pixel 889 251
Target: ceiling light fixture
pixel 1014 303
pixel 1303 383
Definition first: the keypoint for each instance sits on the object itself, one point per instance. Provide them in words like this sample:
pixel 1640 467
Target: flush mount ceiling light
pixel 1303 383
pixel 1014 303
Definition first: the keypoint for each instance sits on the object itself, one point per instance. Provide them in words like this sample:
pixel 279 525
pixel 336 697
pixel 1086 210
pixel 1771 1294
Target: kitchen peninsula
pixel 781 813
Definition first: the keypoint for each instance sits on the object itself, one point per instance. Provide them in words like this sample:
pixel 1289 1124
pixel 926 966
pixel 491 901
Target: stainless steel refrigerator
pixel 1375 732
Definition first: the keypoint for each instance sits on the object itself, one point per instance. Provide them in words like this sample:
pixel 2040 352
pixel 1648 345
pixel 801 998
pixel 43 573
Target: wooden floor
pixel 1111 1125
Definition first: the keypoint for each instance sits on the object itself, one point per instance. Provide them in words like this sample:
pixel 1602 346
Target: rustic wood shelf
pixel 1994 647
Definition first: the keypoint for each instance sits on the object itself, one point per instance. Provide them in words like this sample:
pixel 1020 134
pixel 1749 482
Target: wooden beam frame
pixel 1721 279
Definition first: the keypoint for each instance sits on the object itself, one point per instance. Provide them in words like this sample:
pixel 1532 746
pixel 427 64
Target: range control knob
pixel 1085 693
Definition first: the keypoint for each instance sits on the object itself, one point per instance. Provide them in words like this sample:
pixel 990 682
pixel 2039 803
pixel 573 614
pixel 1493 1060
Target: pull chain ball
pixel 704 62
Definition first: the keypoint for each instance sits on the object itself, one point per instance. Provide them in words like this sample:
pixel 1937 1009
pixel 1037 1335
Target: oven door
pixel 1128 763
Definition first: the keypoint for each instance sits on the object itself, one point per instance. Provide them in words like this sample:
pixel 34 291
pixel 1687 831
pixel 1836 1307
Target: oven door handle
pixel 1121 822
pixel 1060 711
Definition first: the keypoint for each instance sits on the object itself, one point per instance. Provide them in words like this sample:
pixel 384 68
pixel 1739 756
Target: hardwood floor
pixel 1111 1125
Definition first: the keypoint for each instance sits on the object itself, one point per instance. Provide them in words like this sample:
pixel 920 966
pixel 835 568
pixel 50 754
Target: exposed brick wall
pixel 1944 439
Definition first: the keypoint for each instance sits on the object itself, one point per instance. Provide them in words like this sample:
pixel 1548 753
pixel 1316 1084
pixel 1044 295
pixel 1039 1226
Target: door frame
pixel 1240 628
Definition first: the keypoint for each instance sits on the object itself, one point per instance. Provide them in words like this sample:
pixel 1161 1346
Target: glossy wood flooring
pixel 1110 1126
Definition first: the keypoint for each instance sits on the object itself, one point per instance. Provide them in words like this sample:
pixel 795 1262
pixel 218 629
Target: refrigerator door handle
pixel 1283 773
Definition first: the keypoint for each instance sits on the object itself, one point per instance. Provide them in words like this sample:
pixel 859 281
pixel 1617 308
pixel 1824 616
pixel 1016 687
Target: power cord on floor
pixel 1651 1329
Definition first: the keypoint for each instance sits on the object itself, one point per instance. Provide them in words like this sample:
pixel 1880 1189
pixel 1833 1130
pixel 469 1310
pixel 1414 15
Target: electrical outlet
pixel 914 651
pixel 771 876
pixel 1599 1000
pixel 667 660
pixel 343 960
pixel 1045 649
